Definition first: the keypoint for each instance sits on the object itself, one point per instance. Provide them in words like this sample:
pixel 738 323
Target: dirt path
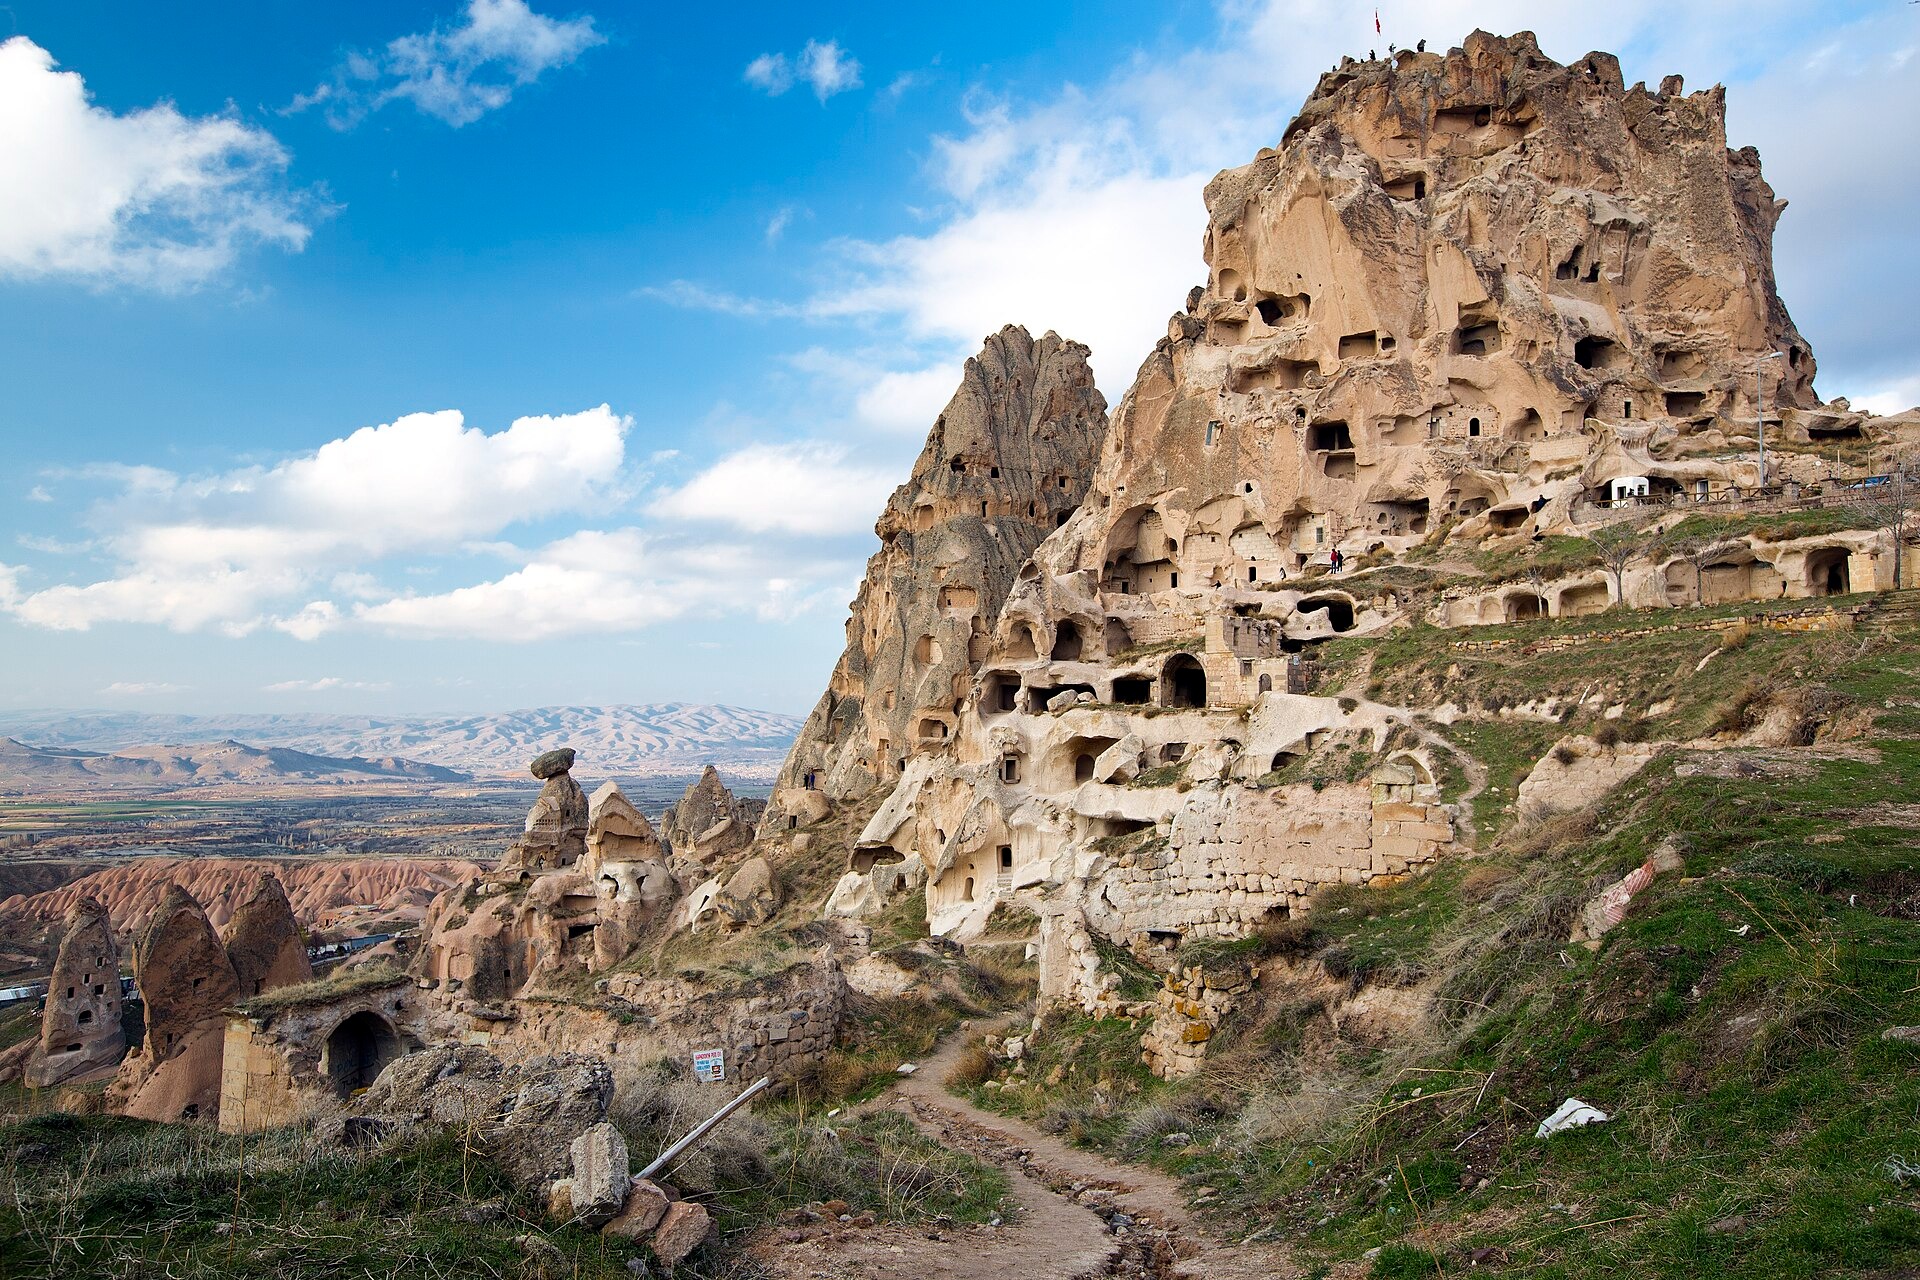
pixel 1081 1215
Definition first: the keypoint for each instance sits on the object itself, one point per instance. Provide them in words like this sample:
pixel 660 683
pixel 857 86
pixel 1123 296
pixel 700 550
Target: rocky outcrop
pixel 264 943
pixel 709 824
pixel 629 869
pixel 1471 297
pixel 186 984
pixel 80 1031
pixel 556 834
pixel 1004 465
pixel 526 1113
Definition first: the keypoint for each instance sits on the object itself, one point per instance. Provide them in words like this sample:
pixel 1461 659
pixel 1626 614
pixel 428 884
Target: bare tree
pixel 1886 506
pixel 1618 546
pixel 1698 550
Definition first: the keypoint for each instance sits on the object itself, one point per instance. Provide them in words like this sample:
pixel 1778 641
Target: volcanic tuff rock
pixel 1004 465
pixel 557 823
pixel 186 983
pixel 526 1113
pixel 1470 298
pixel 80 1030
pixel 264 942
pixel 709 823
pixel 316 887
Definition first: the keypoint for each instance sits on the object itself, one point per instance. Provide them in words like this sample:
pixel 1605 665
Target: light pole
pixel 1760 413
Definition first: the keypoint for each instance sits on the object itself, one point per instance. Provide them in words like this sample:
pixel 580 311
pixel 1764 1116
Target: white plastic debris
pixel 907 1068
pixel 1572 1114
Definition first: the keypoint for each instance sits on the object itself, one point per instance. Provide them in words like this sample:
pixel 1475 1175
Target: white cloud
pixel 323 684
pixel 618 580
pixel 312 622
pixel 1894 397
pixel 39 494
pixel 908 402
pixel 770 72
pixel 458 74
pixel 777 225
pixel 807 488
pixel 227 550
pixel 824 65
pixel 141 688
pixel 151 198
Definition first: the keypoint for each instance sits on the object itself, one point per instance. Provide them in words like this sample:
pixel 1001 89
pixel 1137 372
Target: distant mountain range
pixel 629 741
pixel 26 768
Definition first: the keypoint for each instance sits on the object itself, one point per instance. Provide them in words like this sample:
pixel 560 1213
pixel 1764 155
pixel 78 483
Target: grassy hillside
pixel 1379 1099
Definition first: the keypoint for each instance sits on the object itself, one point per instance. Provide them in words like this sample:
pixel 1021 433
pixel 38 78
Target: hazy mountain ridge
pixel 660 738
pixel 30 768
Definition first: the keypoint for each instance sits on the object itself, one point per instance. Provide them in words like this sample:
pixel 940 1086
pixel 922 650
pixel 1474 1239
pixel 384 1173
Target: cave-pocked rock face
pixel 1006 462
pixel 1467 297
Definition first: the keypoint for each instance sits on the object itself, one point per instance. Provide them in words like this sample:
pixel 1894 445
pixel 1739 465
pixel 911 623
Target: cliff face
pixel 1005 464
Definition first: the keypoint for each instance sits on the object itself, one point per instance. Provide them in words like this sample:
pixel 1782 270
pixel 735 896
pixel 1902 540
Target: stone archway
pixel 357 1050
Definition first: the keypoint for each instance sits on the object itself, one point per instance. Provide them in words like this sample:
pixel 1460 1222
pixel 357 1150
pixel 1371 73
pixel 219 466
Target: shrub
pixel 1608 734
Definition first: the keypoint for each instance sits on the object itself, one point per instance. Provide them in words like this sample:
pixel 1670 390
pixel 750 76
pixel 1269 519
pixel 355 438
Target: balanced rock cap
pixel 551 764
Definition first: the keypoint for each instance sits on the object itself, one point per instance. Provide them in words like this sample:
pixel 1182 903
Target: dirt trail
pixel 1081 1215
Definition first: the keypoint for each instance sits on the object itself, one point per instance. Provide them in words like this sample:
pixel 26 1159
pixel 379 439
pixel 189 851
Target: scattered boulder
pixel 526 1113
pixel 750 896
pixel 601 1179
pixel 682 1230
pixel 646 1205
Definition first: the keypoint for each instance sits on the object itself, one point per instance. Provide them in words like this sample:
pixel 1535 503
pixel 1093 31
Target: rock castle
pixel 1472 301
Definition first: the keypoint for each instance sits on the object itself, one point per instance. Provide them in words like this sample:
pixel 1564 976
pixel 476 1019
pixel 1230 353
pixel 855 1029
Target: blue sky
pixel 466 355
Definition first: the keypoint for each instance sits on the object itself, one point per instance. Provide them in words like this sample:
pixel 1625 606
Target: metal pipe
pixel 701 1130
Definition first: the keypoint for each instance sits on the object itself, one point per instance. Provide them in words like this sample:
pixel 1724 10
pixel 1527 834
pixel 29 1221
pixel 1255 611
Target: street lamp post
pixel 1760 413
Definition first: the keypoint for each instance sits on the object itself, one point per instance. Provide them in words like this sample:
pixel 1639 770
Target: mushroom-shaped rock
pixel 556 834
pixel 617 831
pixel 551 764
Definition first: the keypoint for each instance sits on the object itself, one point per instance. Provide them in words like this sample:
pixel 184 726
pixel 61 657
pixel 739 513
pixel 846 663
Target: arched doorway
pixel 359 1048
pixel 1184 681
pixel 1827 572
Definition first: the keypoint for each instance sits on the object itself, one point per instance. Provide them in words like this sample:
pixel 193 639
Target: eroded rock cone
pixel 186 984
pixel 80 1031
pixel 264 942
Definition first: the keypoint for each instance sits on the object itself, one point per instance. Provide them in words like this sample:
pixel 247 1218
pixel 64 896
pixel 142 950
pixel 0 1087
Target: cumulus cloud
pixel 455 74
pixel 151 198
pixel 1894 397
pixel 225 551
pixel 39 494
pixel 618 580
pixel 823 65
pixel 908 401
pixel 141 688
pixel 805 488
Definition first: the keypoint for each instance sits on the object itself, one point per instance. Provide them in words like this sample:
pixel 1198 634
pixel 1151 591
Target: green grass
pixel 109 1197
pixel 1731 1025
pixel 338 984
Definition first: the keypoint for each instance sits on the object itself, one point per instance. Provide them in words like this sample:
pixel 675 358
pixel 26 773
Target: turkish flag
pixel 1376 22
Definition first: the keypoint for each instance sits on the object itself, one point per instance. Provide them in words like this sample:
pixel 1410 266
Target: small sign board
pixel 710 1065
